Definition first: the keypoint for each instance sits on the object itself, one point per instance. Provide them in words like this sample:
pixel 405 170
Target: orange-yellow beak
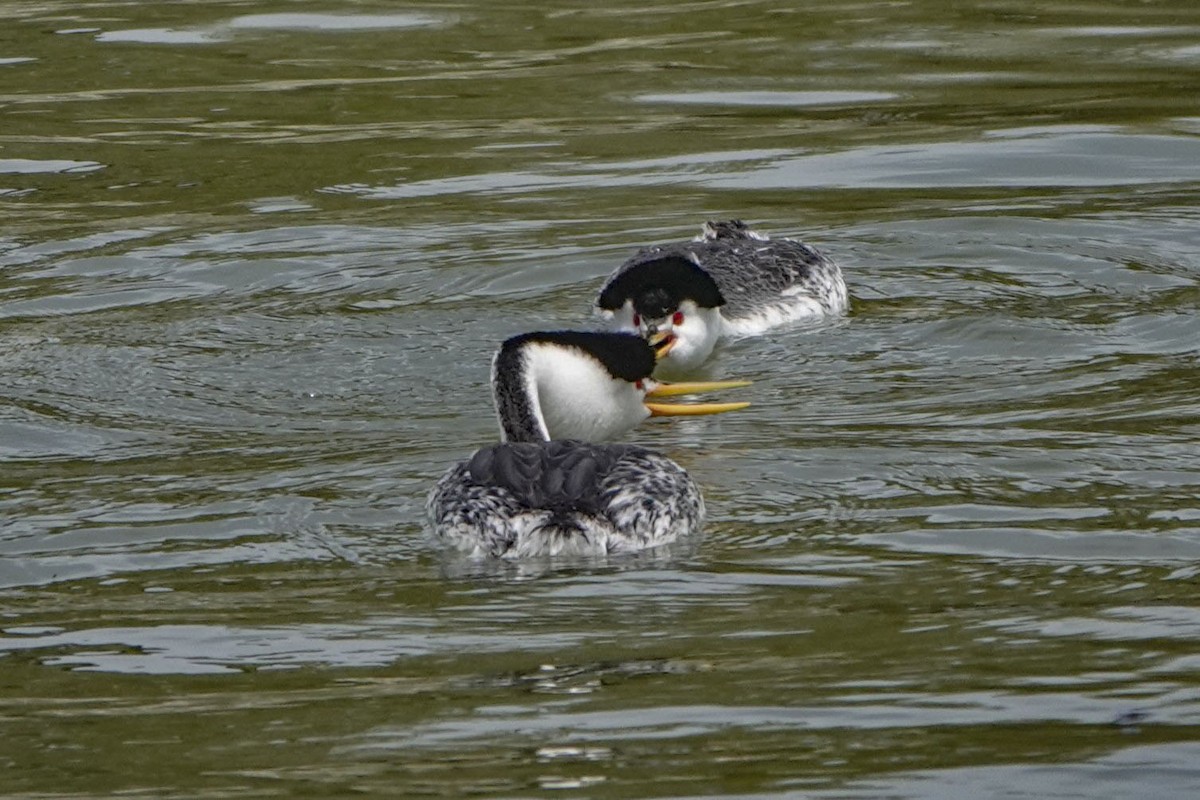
pixel 692 409
pixel 662 342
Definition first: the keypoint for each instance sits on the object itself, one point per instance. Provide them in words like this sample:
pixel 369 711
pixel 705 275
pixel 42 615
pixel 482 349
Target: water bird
pixel 551 486
pixel 728 281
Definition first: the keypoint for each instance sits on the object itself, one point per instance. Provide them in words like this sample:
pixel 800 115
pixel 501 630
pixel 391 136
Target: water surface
pixel 254 262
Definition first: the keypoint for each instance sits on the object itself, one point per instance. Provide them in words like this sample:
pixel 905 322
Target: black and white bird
pixel 728 281
pixel 544 492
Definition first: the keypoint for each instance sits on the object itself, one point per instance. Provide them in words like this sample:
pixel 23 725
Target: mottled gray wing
pixel 644 496
pixel 651 499
pixel 564 475
pixel 475 503
pixel 467 515
pixel 752 272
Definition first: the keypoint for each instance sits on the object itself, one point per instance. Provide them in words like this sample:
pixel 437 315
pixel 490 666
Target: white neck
pixel 695 340
pixel 576 398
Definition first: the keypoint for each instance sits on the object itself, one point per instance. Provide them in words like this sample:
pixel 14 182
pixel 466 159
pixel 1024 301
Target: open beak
pixel 692 409
pixel 662 342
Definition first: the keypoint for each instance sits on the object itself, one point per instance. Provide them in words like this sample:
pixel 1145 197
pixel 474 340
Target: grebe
pixel 541 491
pixel 728 281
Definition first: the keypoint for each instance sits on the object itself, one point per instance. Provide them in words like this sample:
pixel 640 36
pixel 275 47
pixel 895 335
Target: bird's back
pixel 758 277
pixel 519 499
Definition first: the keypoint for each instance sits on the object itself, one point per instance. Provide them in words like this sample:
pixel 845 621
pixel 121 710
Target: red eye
pixel 637 320
pixel 640 385
pixel 677 318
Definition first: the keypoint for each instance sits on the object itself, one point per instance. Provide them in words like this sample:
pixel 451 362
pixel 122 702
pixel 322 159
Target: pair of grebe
pixel 551 487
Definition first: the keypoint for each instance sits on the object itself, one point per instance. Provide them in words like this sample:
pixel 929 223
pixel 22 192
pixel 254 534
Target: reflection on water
pixel 270 22
pixel 17 166
pixel 768 99
pixel 254 265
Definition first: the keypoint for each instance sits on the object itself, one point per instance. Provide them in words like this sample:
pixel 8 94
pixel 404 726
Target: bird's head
pixel 587 385
pixel 669 299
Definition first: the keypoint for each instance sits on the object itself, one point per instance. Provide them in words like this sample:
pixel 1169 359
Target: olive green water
pixel 254 258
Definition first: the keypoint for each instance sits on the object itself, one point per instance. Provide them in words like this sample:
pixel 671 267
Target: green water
pixel 254 258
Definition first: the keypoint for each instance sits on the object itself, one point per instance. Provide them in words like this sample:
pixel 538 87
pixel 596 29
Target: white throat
pixel 578 398
pixel 695 337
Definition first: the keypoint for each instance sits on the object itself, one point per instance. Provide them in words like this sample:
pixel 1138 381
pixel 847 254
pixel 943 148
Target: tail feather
pixel 558 534
pixel 729 229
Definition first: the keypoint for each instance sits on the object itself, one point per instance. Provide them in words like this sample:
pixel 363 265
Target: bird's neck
pixel 514 389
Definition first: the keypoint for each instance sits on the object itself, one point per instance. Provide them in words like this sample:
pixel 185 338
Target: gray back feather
pixel 749 269
pixel 561 475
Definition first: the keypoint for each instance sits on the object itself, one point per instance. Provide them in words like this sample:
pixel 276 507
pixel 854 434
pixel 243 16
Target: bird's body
pixel 729 281
pixel 542 492
pixel 524 499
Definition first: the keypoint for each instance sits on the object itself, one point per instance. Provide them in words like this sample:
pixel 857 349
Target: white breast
pixel 579 399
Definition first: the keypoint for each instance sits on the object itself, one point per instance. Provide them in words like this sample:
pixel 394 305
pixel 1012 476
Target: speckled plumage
pixel 763 281
pixel 528 499
pixel 529 496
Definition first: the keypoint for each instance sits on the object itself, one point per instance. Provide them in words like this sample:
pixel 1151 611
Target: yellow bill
pixel 693 387
pixel 662 342
pixel 692 409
